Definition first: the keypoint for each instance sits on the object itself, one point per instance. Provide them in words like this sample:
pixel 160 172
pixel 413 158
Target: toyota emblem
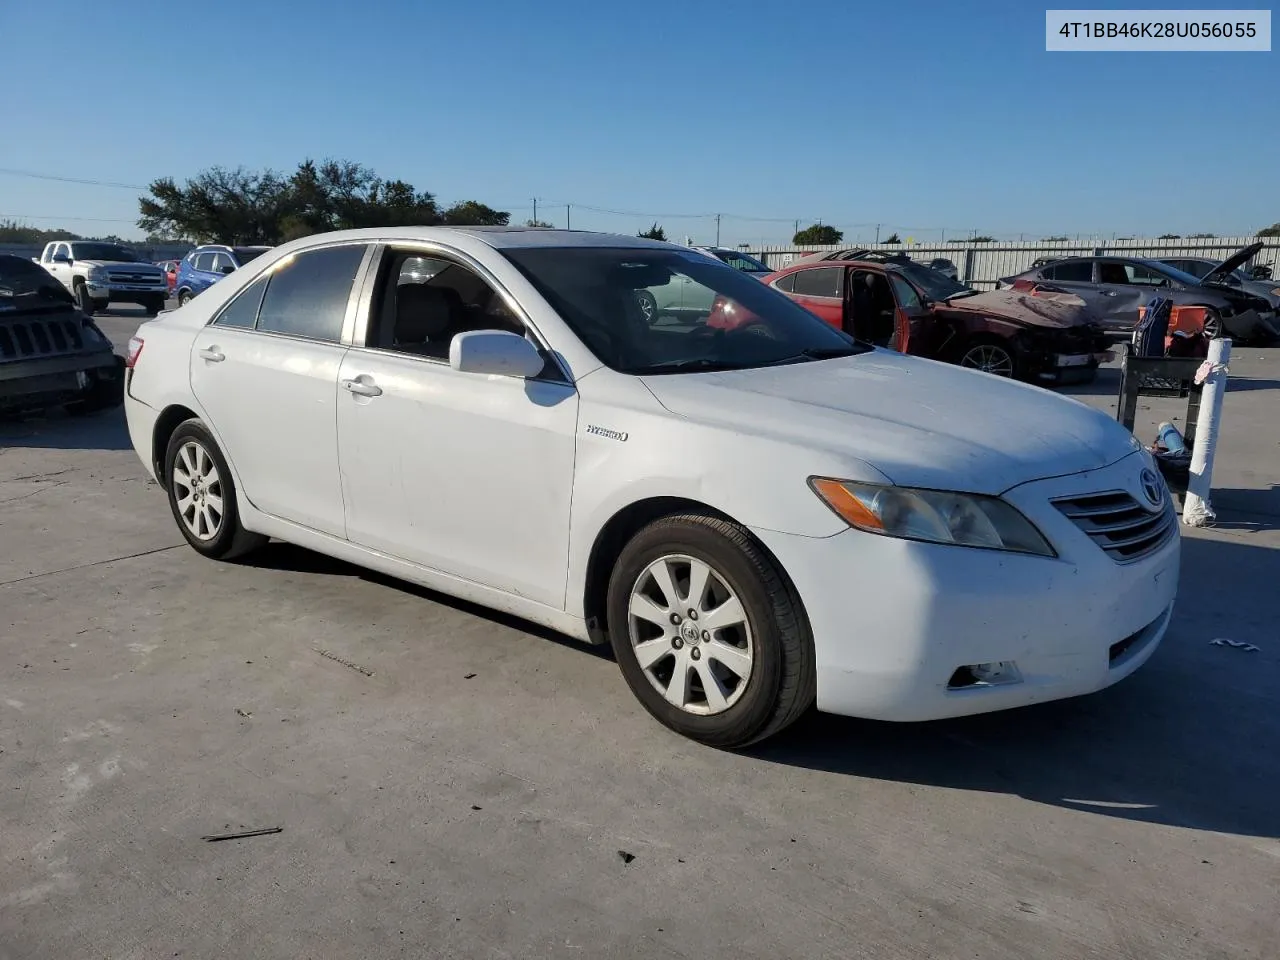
pixel 1152 488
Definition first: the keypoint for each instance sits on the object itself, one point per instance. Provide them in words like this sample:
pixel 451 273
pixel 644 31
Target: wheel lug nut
pixel 677 643
pixel 693 614
pixel 695 653
pixel 675 618
pixel 706 635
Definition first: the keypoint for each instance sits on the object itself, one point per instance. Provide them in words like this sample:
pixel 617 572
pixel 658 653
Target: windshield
pixel 245 254
pixel 20 277
pixel 741 261
pixel 651 310
pixel 936 285
pixel 104 251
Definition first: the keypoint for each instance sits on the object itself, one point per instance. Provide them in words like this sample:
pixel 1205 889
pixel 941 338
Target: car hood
pixel 1219 273
pixel 918 422
pixel 1058 311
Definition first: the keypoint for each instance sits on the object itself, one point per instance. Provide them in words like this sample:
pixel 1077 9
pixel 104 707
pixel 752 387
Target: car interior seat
pixel 425 320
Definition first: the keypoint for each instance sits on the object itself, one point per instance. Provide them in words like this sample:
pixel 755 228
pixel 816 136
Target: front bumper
pixel 893 620
pixel 50 380
pixel 127 292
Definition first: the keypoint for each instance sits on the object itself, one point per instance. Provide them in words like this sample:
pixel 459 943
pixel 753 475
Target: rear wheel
pixel 648 305
pixel 989 356
pixel 184 297
pixel 202 495
pixel 708 633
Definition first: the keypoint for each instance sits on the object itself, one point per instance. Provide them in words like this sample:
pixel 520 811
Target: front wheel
pixel 709 634
pixel 86 303
pixel 184 297
pixel 989 356
pixel 1212 327
pixel 648 305
pixel 202 495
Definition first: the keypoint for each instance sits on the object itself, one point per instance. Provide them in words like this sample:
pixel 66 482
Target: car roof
pixel 500 238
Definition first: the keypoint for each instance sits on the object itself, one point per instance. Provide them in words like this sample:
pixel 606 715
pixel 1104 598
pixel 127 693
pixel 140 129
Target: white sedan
pixel 755 518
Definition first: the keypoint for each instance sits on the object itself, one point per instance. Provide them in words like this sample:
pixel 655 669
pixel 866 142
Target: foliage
pixel 538 224
pixel 982 239
pixel 1170 236
pixel 1202 236
pixel 1055 239
pixel 1271 231
pixel 818 235
pixel 12 231
pixel 265 207
pixel 653 233
pixel 893 238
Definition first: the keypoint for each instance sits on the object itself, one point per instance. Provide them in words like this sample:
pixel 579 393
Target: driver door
pixel 915 329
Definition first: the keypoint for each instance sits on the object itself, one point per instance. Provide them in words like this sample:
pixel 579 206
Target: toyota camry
pixel 756 519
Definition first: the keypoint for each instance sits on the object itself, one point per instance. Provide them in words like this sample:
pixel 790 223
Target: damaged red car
pixel 892 301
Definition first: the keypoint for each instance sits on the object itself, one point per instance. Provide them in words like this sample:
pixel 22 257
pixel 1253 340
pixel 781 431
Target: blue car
pixel 206 265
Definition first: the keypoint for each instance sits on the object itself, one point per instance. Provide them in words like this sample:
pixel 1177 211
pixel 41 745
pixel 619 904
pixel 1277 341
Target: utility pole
pixel 535 209
pixel 877 233
pixel 797 229
pixel 568 222
pixel 717 229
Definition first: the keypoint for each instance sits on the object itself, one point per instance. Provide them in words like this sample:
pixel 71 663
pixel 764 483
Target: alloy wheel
pixel 690 635
pixel 198 491
pixel 989 358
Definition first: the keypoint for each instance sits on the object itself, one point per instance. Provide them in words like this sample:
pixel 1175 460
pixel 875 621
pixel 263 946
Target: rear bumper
pixel 142 430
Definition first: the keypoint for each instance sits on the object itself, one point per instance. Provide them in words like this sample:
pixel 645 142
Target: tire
pixel 770 640
pixel 191 452
pixel 648 306
pixel 1212 328
pixel 990 355
pixel 106 393
pixel 86 303
pixel 153 307
pixel 184 297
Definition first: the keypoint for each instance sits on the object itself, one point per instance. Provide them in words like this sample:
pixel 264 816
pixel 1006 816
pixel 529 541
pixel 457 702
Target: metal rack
pixel 1161 377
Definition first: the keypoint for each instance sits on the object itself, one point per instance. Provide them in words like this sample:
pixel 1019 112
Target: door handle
pixel 213 355
pixel 362 387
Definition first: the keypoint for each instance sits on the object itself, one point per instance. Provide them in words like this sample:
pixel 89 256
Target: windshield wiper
pixel 702 364
pixel 966 292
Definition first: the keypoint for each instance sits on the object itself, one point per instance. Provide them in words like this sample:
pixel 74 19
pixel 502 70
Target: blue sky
pixel 918 116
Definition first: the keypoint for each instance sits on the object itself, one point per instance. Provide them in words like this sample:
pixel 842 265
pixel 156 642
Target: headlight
pixel 96 274
pixel 934 516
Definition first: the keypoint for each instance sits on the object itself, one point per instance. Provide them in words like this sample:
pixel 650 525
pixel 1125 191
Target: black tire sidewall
pixel 757 704
pixel 222 544
pixel 84 301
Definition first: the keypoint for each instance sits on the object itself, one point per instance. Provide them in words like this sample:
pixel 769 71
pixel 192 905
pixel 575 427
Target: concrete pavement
pixel 452 783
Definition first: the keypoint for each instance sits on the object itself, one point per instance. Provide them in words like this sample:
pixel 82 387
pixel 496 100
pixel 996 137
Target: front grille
pixel 27 339
pixel 1122 527
pixel 146 279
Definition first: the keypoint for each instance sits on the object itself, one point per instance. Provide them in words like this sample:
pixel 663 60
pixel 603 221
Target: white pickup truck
pixel 98 274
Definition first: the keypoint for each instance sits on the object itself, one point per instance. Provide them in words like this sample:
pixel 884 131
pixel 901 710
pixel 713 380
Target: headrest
pixel 422 313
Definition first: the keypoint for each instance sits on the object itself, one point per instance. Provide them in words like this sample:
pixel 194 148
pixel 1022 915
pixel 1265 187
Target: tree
pixel 243 206
pixel 1271 231
pixel 539 224
pixel 818 235
pixel 653 233
pixel 1170 236
pixel 982 239
pixel 469 213
pixel 1202 236
pixel 1054 240
pixel 12 231
pixel 893 238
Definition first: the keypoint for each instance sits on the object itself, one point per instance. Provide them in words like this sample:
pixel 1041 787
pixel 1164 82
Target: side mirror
pixel 494 352
pixel 225 270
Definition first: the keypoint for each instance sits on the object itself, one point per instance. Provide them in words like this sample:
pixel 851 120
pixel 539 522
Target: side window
pixel 787 284
pixel 820 282
pixel 308 293
pixel 47 256
pixel 64 249
pixel 242 311
pixel 1143 276
pixel 222 262
pixel 423 301
pixel 908 299
pixel 1074 271
pixel 204 261
pixel 1112 273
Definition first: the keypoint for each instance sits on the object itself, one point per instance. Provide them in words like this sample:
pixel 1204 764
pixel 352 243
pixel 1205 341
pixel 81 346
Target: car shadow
pixel 55 429
pixel 278 555
pixel 1106 384
pixel 1246 509
pixel 1246 384
pixel 1188 741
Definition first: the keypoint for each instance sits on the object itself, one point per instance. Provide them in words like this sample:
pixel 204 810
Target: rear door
pixel 915 330
pixel 203 274
pixel 820 290
pixel 266 373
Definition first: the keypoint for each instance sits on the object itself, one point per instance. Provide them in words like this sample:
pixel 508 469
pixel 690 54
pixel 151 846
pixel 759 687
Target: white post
pixel 1196 510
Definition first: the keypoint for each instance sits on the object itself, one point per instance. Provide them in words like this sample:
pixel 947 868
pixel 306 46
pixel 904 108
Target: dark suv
pixel 1117 287
pixel 50 350
pixel 206 265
